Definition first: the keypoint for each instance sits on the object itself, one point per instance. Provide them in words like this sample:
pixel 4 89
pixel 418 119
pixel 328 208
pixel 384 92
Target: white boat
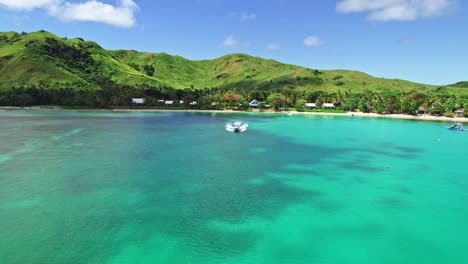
pixel 236 127
pixel 457 127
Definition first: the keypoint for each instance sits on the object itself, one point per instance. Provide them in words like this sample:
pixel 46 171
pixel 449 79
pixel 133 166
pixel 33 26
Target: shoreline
pixel 357 114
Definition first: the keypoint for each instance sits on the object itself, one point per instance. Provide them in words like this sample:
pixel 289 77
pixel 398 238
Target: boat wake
pixel 236 127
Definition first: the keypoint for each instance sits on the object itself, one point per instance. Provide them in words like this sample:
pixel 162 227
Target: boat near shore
pixel 457 127
pixel 236 127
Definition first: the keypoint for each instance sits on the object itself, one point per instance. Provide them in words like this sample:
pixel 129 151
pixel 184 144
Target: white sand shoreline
pixel 359 114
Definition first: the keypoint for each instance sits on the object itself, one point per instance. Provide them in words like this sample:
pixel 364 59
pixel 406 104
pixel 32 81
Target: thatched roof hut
pixel 459 113
pixel 422 110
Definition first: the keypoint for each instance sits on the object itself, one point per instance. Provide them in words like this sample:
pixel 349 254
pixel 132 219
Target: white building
pixel 138 101
pixel 169 102
pixel 328 105
pixel 310 105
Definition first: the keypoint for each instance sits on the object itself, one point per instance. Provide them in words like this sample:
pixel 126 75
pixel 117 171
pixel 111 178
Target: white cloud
pixel 399 10
pixel 230 42
pixel 248 16
pixel 273 47
pixel 120 15
pixel 312 41
pixel 28 4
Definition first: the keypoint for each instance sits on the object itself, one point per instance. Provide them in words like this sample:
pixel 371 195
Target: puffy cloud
pixel 312 41
pixel 230 42
pixel 248 16
pixel 273 47
pixel 120 15
pixel 399 10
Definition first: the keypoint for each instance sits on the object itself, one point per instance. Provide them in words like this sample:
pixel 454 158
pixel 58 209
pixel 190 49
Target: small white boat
pixel 457 127
pixel 236 127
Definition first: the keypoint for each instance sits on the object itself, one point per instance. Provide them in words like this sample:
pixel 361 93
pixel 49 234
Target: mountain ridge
pixel 46 60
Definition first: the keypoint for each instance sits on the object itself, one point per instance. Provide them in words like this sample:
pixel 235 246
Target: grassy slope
pixel 19 65
pixel 460 84
pixel 26 59
pixel 245 70
pixel 241 70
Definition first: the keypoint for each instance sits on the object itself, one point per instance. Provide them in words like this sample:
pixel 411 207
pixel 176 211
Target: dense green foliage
pixel 412 102
pixel 42 69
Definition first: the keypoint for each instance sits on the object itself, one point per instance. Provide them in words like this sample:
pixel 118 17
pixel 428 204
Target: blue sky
pixel 419 40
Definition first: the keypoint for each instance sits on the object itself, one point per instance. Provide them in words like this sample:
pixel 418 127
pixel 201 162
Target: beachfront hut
pixel 254 103
pixel 310 105
pixel 214 103
pixel 459 113
pixel 168 102
pixel 193 103
pixel 181 102
pixel 421 110
pixel 328 105
pixel 138 101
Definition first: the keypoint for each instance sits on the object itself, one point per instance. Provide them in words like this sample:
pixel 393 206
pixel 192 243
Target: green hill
pixel 243 71
pixel 44 60
pixel 460 84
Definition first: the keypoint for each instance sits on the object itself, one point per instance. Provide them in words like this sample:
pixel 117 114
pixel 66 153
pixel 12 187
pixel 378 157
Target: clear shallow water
pixel 100 187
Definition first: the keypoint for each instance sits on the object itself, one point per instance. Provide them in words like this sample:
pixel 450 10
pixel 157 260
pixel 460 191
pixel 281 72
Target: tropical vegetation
pixel 40 68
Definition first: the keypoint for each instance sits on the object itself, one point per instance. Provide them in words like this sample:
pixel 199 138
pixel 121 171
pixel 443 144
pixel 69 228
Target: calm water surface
pixel 100 187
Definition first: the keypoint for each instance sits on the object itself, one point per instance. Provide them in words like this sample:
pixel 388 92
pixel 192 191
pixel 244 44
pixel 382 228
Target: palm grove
pixel 386 101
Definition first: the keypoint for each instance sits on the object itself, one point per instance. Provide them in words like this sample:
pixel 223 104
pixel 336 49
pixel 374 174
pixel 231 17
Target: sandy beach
pixel 396 116
pixel 359 114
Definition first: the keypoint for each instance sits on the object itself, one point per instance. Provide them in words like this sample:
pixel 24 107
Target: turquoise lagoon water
pixel 102 187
